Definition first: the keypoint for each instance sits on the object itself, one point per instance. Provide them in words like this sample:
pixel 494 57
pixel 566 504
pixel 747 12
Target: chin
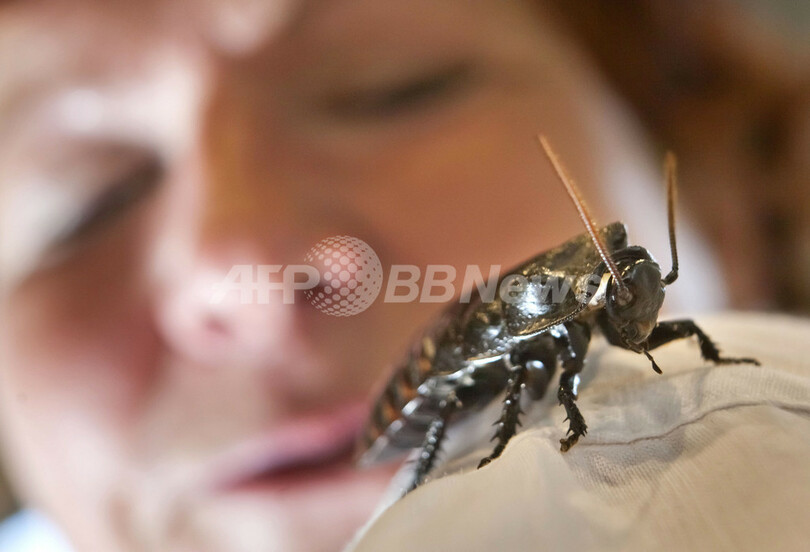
pixel 312 509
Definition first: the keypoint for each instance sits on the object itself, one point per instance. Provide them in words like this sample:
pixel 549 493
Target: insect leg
pixel 433 441
pixel 573 359
pixel 664 332
pixel 509 420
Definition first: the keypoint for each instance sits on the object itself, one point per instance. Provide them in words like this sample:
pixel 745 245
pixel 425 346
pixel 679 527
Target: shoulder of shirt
pixel 30 531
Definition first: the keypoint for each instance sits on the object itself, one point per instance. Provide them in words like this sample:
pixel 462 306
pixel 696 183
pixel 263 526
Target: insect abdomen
pixel 401 389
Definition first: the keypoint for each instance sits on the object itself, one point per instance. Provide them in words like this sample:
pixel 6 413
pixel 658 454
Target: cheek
pixel 82 349
pixel 480 184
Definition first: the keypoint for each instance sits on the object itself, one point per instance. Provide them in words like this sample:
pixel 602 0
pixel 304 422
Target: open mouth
pixel 305 451
pixel 295 471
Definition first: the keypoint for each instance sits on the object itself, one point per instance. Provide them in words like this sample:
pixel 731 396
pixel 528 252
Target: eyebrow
pixel 32 80
pixel 306 11
pixel 24 99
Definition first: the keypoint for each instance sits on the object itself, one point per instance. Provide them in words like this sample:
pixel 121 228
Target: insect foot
pixel 672 330
pixel 743 360
pixel 433 440
pixel 576 426
pixel 485 461
pixel 509 420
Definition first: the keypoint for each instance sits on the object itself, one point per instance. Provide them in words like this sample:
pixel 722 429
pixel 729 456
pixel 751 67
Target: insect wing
pixel 463 350
pixel 556 285
pixel 405 406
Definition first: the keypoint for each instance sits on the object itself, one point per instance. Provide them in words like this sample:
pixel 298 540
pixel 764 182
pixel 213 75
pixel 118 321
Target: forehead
pixel 51 33
pixel 50 45
pixel 45 45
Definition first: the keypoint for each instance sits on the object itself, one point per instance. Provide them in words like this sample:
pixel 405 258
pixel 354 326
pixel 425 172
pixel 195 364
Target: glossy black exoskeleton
pixel 515 341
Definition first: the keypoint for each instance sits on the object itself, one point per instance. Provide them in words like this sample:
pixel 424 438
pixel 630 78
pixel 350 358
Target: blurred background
pixel 727 86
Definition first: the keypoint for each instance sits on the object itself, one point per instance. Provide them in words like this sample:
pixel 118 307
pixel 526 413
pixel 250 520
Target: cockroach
pixel 514 343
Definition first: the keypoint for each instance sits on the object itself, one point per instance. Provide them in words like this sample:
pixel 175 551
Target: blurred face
pixel 146 148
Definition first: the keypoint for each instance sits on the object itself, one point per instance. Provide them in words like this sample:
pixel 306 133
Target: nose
pixel 208 266
pixel 211 328
pixel 226 214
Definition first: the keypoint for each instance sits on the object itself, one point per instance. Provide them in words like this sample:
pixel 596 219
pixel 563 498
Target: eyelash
pixel 119 196
pixel 401 97
pixel 380 102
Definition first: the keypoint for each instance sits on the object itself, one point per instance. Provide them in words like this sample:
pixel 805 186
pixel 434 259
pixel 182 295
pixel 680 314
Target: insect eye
pixel 624 296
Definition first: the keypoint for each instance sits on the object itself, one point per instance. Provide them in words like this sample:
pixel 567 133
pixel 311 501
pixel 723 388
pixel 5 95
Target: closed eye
pixel 118 196
pixel 403 96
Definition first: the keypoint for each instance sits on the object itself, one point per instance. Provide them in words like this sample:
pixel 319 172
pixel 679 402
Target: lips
pixel 303 450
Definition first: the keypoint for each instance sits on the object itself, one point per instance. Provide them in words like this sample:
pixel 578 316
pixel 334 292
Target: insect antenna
pixel 671 170
pixel 624 294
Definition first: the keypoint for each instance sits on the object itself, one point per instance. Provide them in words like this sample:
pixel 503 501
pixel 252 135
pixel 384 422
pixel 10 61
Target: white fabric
pixel 699 458
pixel 30 531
